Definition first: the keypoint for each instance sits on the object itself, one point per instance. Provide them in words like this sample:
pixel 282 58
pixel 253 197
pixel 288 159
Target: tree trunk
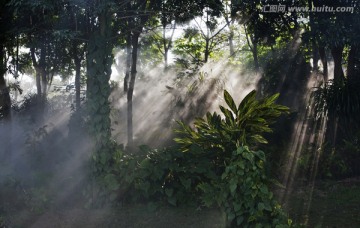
pixel 135 43
pixel 337 55
pixel 255 55
pixel 5 110
pixel 99 61
pixel 42 66
pixel 128 62
pixel 323 58
pixel 231 42
pixel 207 51
pixel 77 62
pixel 37 71
pixel 165 47
pixel 5 101
pixel 315 53
pixel 351 64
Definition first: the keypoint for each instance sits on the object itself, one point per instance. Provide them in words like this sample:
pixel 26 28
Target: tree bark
pixel 255 55
pixel 37 71
pixel 42 67
pixel 77 62
pixel 323 58
pixel 5 110
pixel 315 52
pixel 165 47
pixel 128 62
pixel 231 42
pixel 207 51
pixel 135 44
pixel 99 61
pixel 5 101
pixel 337 55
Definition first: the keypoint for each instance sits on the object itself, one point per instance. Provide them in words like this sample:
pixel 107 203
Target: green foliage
pixel 234 176
pixel 159 176
pixel 339 102
pixel 244 124
pixel 343 160
pixel 243 193
pixel 191 46
pixel 216 168
pixel 342 99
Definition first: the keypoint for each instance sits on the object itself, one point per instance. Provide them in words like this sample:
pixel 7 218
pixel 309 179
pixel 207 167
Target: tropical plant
pixel 233 177
pixel 244 124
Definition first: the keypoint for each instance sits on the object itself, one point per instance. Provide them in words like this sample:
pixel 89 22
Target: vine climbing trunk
pixel 135 45
pixel 99 60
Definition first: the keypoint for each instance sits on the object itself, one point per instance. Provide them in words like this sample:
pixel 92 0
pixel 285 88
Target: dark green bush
pixel 215 167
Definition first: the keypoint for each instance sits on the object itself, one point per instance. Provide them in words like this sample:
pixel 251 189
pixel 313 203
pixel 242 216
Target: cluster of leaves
pixel 243 124
pixel 340 98
pixel 234 179
pixel 339 102
pixel 243 193
pixel 214 166
pixel 160 175
pixel 343 160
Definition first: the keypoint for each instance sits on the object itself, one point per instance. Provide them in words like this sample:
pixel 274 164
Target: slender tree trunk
pixel 37 72
pixel 42 66
pixel 315 53
pixel 165 47
pixel 254 48
pixel 135 43
pixel 351 64
pixel 77 62
pixel 255 55
pixel 337 55
pixel 5 101
pixel 324 62
pixel 231 42
pixel 5 110
pixel 128 62
pixel 207 51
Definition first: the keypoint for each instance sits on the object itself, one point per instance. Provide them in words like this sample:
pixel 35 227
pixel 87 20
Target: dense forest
pixel 179 113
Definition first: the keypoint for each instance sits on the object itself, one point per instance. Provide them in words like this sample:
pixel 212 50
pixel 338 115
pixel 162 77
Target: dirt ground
pixel 132 216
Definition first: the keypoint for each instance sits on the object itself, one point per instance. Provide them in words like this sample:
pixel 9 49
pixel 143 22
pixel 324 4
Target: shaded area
pixel 128 216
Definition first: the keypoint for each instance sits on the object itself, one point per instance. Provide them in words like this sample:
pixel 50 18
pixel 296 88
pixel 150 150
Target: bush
pixel 215 166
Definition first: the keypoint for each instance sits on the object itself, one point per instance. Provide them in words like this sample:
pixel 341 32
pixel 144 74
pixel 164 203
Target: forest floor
pixel 333 204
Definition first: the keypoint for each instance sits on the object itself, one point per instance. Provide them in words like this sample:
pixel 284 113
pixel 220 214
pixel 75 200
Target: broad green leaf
pixel 229 101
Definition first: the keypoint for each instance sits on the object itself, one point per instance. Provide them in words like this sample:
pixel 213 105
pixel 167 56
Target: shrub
pixel 233 176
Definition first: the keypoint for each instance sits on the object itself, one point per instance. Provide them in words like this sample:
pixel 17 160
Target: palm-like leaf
pixel 242 125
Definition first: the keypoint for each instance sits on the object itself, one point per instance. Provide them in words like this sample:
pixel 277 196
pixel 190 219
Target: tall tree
pixel 5 44
pixel 99 60
pixel 137 14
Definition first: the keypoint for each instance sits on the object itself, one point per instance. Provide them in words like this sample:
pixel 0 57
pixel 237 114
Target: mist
pixel 162 97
